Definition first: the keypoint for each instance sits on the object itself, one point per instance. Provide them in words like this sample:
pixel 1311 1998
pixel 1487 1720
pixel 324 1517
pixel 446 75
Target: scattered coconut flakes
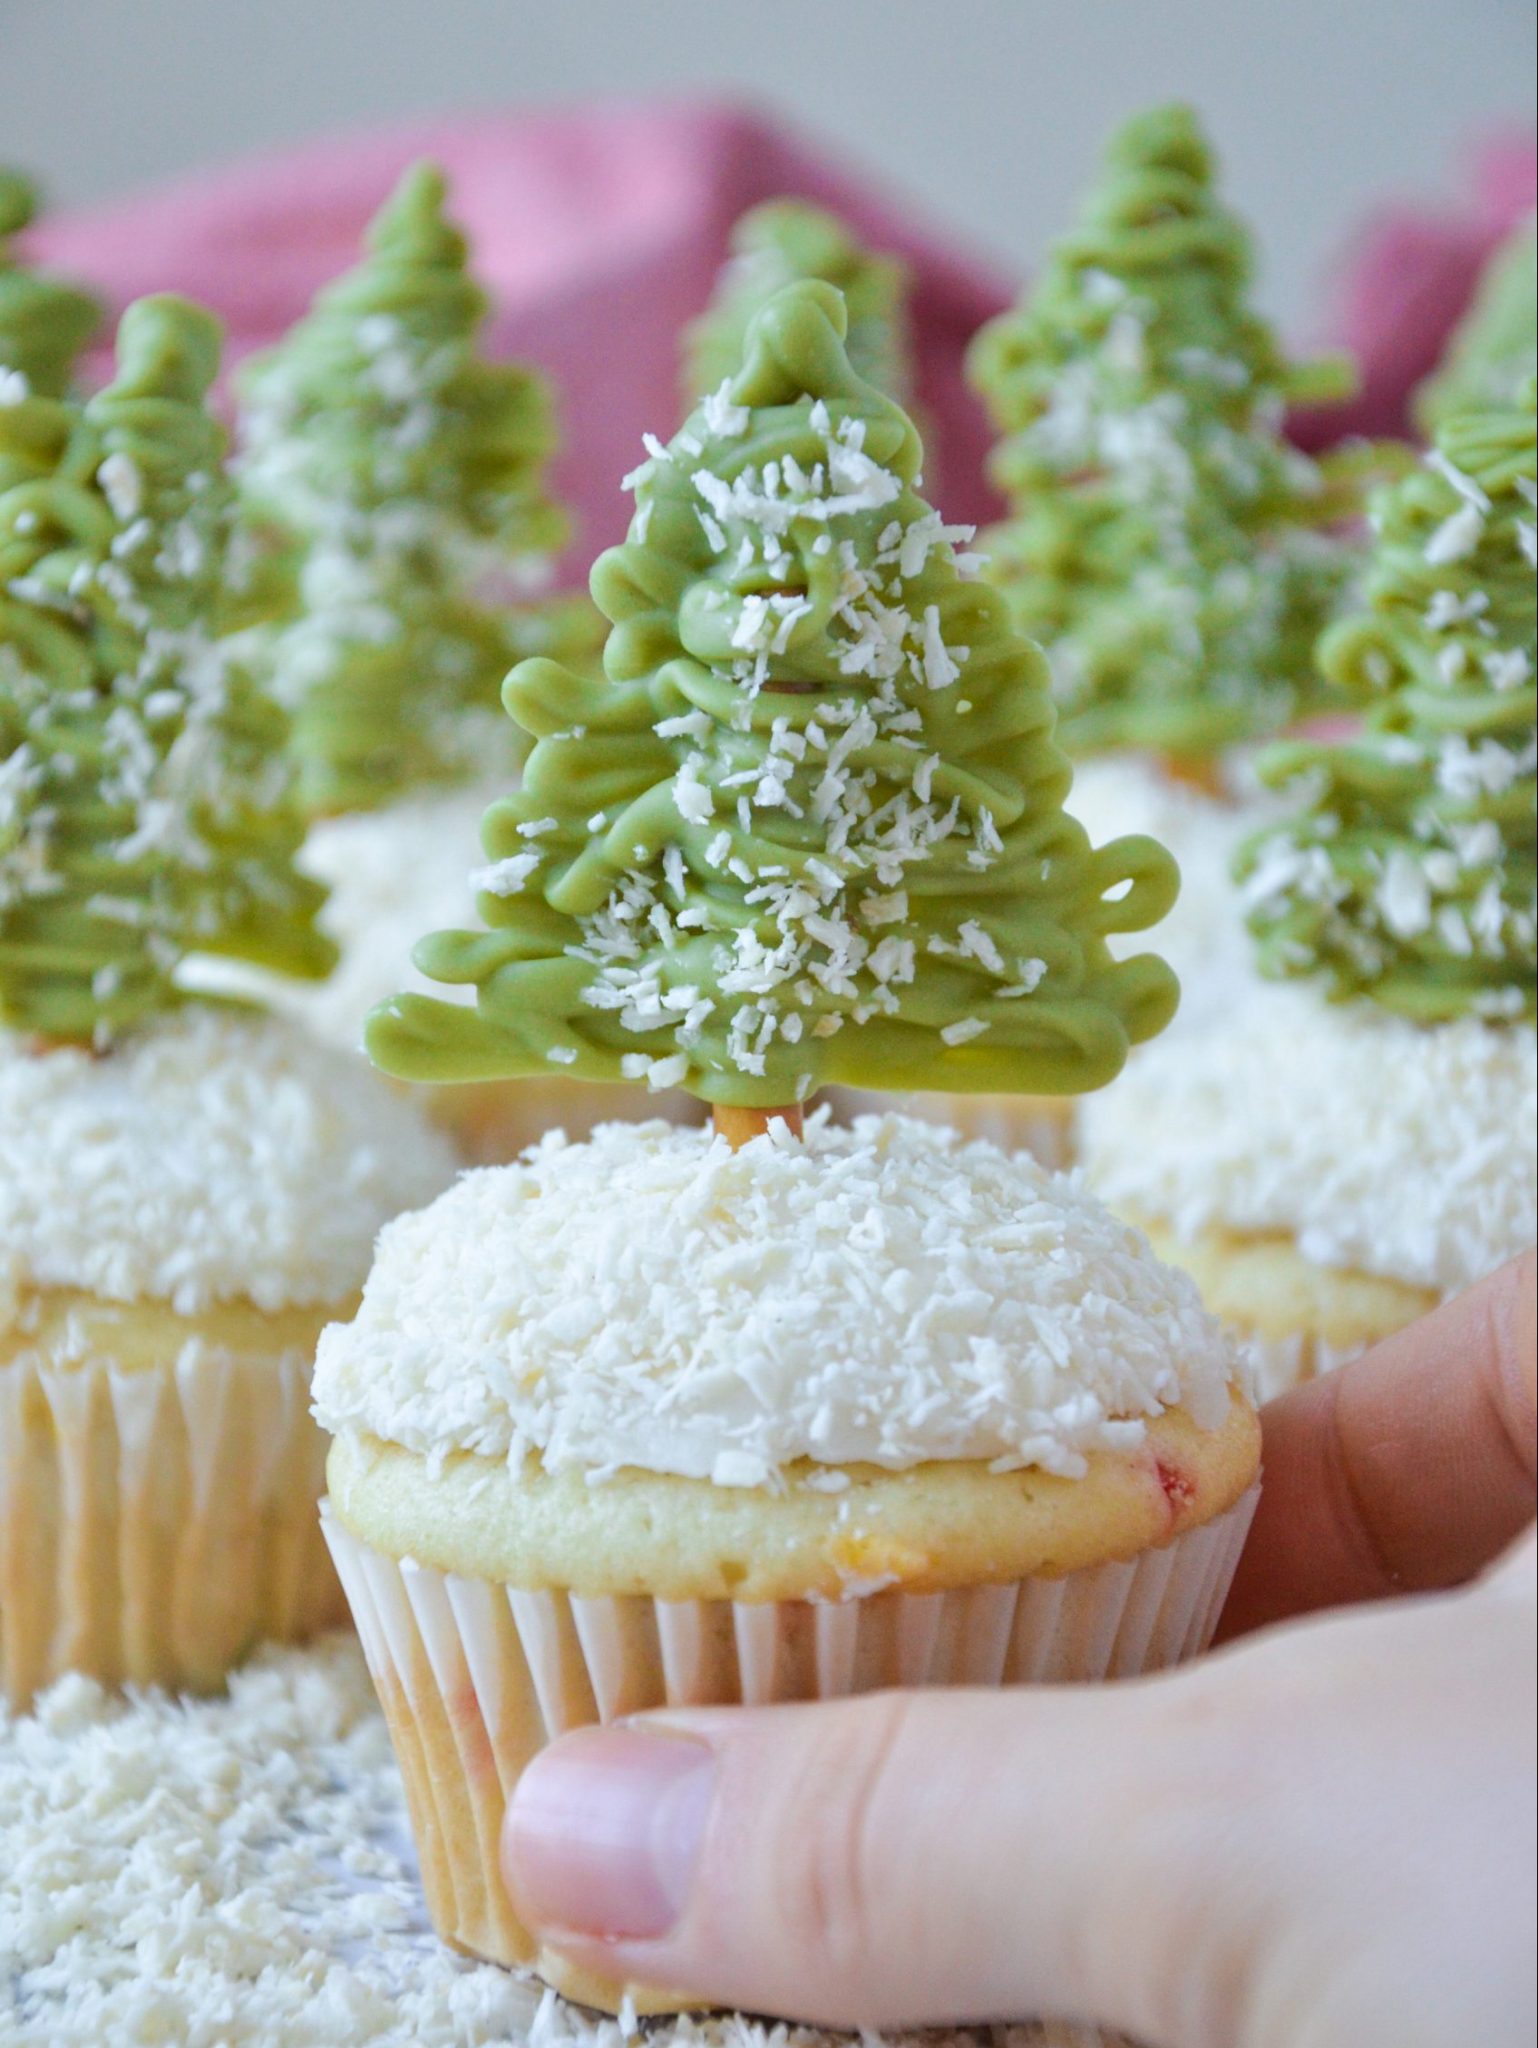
pixel 1379 1145
pixel 240 1871
pixel 210 1156
pixel 881 1293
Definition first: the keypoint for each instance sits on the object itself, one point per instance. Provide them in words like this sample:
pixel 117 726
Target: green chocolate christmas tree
pixel 809 825
pixel 145 805
pixel 1164 542
pixel 44 322
pixel 787 241
pixel 1492 352
pixel 1410 876
pixel 394 482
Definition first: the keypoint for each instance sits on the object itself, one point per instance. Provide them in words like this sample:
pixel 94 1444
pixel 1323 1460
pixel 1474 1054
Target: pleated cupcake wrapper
pixel 155 1524
pixel 1043 1125
pixel 475 1678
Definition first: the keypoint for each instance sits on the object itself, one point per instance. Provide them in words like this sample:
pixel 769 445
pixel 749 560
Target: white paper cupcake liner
pixel 475 1678
pixel 155 1524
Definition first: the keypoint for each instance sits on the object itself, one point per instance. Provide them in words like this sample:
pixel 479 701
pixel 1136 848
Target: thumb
pixel 893 1860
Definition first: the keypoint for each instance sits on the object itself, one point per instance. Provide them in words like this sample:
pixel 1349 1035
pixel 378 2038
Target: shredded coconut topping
pixel 1379 1145
pixel 238 1873
pixel 882 1293
pixel 208 1157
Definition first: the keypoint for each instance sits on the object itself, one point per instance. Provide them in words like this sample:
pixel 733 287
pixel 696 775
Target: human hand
pixel 1321 1837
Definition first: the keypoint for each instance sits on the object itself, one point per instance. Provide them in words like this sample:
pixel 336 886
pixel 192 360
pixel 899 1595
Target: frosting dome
pixel 213 1157
pixel 880 1294
pixel 1379 1146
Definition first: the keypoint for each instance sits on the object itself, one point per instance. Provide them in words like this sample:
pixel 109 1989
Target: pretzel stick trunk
pixel 739 1126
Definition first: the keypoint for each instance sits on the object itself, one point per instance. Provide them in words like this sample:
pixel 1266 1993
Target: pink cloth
pixel 1404 279
pixel 598 233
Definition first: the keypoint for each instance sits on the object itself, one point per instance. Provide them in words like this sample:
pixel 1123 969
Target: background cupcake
pixel 398 542
pixel 1170 551
pixel 187 1194
pixel 747 1415
pixel 1332 1158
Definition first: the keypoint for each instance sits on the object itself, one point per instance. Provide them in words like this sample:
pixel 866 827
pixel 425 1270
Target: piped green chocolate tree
pixel 1164 542
pixel 145 795
pixel 44 322
pixel 393 480
pixel 1410 876
pixel 788 241
pixel 809 825
pixel 1492 352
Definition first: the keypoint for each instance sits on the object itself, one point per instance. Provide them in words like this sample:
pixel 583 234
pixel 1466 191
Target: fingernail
pixel 604 1831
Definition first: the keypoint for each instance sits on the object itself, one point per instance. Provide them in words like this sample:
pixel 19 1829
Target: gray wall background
pixel 987 111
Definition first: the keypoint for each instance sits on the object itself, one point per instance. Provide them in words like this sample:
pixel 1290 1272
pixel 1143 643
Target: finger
pixel 1407 1470
pixel 888 1861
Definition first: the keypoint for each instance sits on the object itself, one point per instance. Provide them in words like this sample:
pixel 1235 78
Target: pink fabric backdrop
pixel 1403 279
pixel 599 233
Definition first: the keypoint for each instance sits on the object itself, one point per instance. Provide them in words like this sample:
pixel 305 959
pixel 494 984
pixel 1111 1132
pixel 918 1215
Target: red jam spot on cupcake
pixel 1179 1487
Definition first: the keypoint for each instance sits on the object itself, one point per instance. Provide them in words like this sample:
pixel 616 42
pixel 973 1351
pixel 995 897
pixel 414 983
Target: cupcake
pixel 188 1192
pixel 1163 543
pixel 398 543
pixel 781 1409
pixel 1331 1158
pixel 647 1421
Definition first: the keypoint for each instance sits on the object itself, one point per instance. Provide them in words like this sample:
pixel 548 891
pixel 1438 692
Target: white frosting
pixel 1378 1146
pixel 214 1156
pixel 1203 938
pixel 880 1293
pixel 395 875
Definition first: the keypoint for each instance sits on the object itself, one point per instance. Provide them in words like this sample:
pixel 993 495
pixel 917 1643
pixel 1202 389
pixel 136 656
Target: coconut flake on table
pixel 240 1870
pixel 1378 1145
pixel 212 1156
pixel 882 1293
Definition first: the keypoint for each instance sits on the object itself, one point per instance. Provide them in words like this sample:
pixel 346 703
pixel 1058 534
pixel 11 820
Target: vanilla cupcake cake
pixel 180 1219
pixel 782 1409
pixel 1326 1174
pixel 1332 1158
pixel 187 1194
pixel 645 1420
